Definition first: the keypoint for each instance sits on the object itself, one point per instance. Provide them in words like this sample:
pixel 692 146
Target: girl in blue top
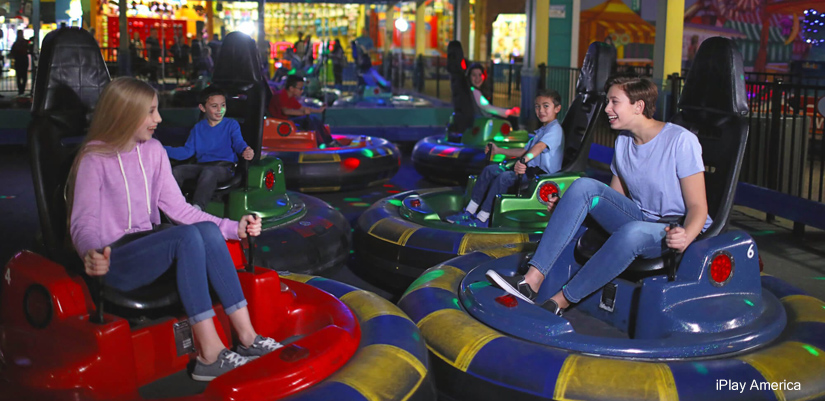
pixel 658 173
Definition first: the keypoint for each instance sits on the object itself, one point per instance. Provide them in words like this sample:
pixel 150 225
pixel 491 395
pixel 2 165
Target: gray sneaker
pixel 227 360
pixel 260 347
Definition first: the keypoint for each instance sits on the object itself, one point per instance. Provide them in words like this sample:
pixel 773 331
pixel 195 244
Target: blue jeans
pixel 208 177
pixel 493 180
pixel 313 123
pixel 201 255
pixel 631 236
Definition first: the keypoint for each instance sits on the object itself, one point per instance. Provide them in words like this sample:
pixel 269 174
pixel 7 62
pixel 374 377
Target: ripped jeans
pixel 631 235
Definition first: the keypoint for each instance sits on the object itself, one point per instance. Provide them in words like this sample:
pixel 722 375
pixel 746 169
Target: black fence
pixel 784 151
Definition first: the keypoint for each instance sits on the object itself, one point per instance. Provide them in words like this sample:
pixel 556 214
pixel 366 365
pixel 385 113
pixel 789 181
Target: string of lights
pixel 814 27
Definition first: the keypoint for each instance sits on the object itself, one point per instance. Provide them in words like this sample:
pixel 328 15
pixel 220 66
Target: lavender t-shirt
pixel 651 171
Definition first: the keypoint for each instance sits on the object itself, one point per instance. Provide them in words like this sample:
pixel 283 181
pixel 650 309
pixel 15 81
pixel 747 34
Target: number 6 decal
pixel 750 251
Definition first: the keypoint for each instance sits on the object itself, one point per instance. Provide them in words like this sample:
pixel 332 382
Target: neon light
pixel 499 158
pixel 541 214
pixel 748 302
pixel 498 138
pixel 265 248
pixel 322 146
pixel 352 199
pixel 394 202
pixel 594 202
pixel 810 349
pixel 368 153
pixel 700 368
pixel 483 100
pixel 424 279
pixel 291 72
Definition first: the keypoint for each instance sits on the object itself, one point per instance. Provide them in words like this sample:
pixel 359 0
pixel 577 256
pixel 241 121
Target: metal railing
pixel 785 150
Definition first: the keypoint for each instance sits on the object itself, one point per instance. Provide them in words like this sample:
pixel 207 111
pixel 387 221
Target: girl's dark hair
pixel 474 66
pixel 637 89
pixel 551 93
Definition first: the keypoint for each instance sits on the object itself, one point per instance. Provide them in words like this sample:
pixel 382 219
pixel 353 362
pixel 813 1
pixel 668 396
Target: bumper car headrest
pixel 239 62
pixel 71 73
pixel 455 57
pixel 715 81
pixel 599 64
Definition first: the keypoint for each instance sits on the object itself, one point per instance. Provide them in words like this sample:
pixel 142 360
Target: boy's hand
pixel 321 110
pixel 519 167
pixel 493 149
pixel 248 153
pixel 551 203
pixel 305 110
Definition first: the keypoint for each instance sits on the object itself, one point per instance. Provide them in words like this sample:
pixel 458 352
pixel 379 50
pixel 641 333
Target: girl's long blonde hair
pixel 120 110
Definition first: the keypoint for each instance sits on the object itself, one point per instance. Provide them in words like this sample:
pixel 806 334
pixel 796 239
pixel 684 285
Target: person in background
pixel 20 54
pixel 154 52
pixel 215 45
pixel 285 106
pixel 339 60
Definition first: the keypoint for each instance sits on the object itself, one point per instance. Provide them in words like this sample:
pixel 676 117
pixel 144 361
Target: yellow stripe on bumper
pixel 591 378
pixel 455 337
pixel 395 231
pixel 445 277
pixel 791 362
pixel 320 157
pixel 804 308
pixel 472 242
pixel 367 305
pixel 369 375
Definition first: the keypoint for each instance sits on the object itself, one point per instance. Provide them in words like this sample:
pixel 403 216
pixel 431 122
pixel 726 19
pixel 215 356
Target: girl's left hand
pixel 676 239
pixel 249 224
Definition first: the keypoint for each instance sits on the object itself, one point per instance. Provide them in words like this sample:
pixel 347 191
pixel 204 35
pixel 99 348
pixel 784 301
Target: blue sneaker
pixel 459 217
pixel 473 222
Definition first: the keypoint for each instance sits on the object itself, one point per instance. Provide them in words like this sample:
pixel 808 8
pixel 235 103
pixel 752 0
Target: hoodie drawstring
pixel 126 183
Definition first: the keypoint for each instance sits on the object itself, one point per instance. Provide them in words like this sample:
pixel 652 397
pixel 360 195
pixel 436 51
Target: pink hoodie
pixel 120 194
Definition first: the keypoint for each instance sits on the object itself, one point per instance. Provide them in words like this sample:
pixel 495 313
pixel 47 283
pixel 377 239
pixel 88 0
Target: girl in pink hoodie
pixel 122 172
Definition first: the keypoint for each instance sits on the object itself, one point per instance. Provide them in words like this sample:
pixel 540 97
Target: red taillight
pixel 351 163
pixel 475 130
pixel 376 91
pixel 269 180
pixel 721 268
pixel 463 64
pixel 284 129
pixel 547 191
pixel 415 203
pixel 505 129
pixel 508 301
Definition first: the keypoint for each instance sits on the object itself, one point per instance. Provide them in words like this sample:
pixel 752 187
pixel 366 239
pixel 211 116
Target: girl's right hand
pixel 96 263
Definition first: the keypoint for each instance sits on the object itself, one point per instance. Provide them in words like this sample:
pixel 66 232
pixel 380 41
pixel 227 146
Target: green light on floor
pixel 455 302
pixel 416 337
pixel 541 214
pixel 748 302
pixel 700 368
pixel 810 349
pixel 367 152
pixel 265 248
pixel 352 199
pixel 394 202
pixel 499 158
pixel 360 204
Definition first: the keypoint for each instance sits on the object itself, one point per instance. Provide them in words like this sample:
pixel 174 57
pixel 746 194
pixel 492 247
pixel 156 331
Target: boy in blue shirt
pixel 216 143
pixel 543 156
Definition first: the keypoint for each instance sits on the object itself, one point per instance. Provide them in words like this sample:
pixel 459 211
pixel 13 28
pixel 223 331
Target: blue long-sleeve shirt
pixel 223 142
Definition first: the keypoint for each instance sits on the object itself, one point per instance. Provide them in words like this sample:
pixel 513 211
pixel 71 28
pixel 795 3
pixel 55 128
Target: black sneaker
pixel 553 307
pixel 514 285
